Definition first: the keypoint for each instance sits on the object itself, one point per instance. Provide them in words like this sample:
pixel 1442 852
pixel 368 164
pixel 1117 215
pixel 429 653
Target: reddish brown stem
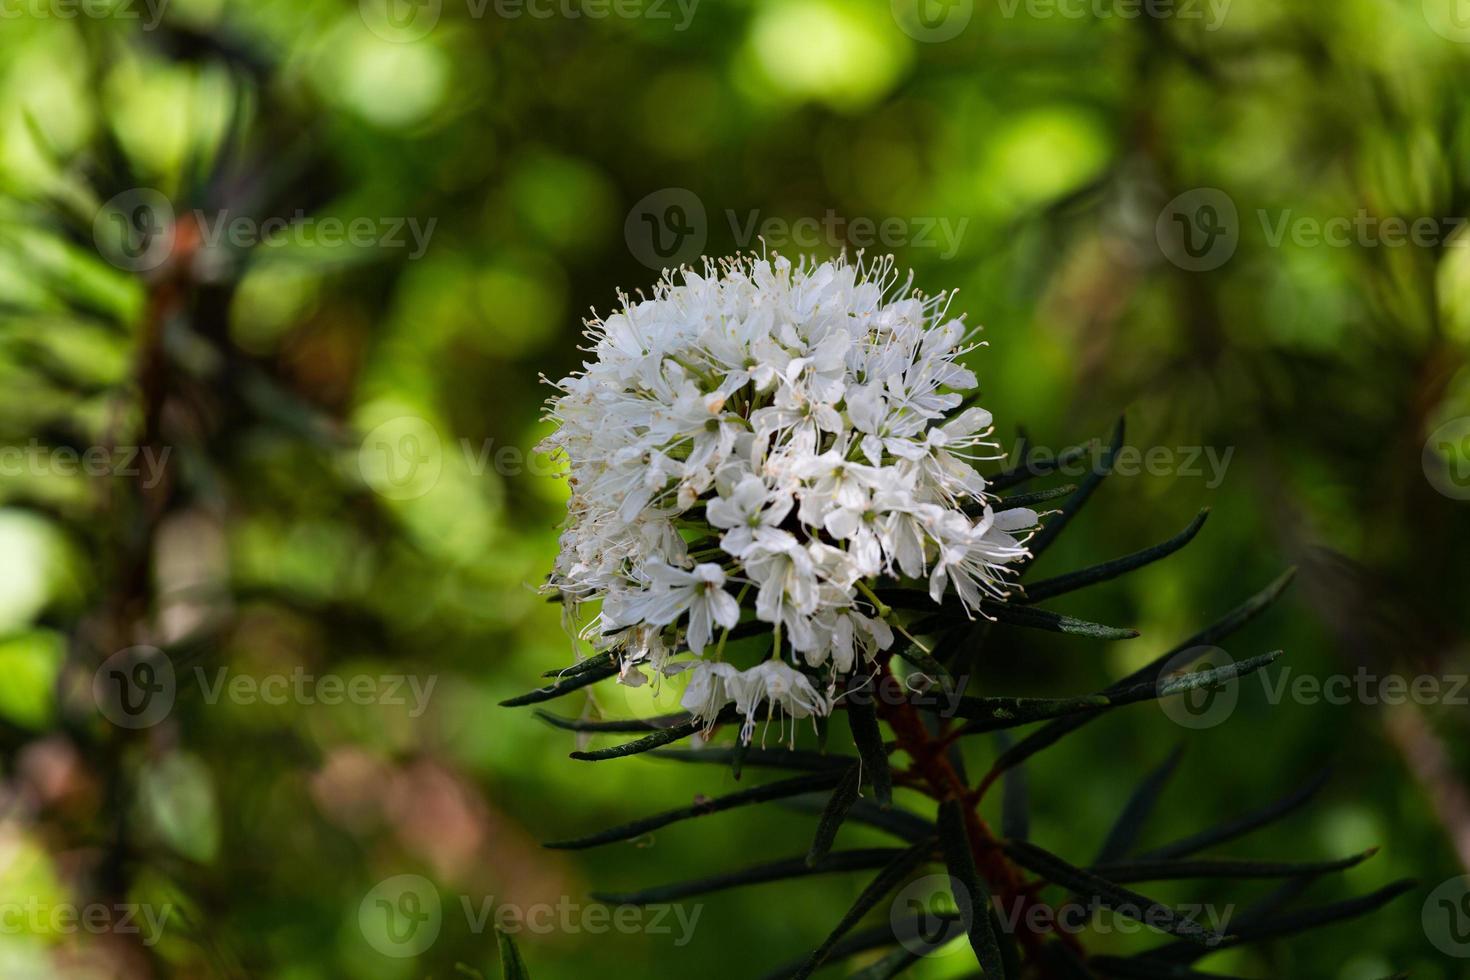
pixel 940 780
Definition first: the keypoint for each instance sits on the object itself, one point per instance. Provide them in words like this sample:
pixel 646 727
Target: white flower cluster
pixel 794 432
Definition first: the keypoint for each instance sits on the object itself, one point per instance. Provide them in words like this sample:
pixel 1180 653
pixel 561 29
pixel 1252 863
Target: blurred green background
pixel 343 425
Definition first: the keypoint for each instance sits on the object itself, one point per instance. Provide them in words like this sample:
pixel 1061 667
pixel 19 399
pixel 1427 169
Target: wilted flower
pixel 762 442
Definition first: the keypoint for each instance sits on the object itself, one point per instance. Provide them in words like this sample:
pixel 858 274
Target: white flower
pixel 789 433
pixel 674 592
pixel 713 686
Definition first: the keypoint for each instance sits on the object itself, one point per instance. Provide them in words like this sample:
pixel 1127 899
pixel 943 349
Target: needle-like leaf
pixel 512 967
pixel 759 758
pixel 1071 581
pixel 844 795
pixel 1221 628
pixel 796 867
pixel 1109 894
pixel 1128 871
pixel 1241 826
pixel 1054 526
pixel 992 714
pixel 756 794
pixel 565 685
pixel 1125 832
pixel 970 893
pixel 869 741
pixel 888 879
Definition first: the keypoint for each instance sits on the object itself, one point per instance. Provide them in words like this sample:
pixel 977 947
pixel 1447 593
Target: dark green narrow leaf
pixel 1119 899
pixel 916 656
pixel 739 752
pixel 1304 920
pixel 1241 826
pixel 595 662
pixel 512 967
pixel 645 744
pixel 1031 499
pixel 903 824
pixel 1054 527
pixel 844 795
pixel 1125 832
pixel 796 867
pixel 970 893
pixel 1043 619
pixel 991 714
pixel 869 741
pixel 1029 469
pixel 1138 969
pixel 878 937
pixel 1126 871
pixel 621 725
pixel 796 759
pixel 1210 635
pixel 1064 964
pixel 1070 582
pixel 1266 907
pixel 756 794
pixel 564 686
pixel 1010 614
pixel 888 879
pixel 1015 802
pixel 890 966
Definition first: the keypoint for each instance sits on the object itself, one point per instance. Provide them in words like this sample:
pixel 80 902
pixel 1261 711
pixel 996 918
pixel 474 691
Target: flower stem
pixel 884 610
